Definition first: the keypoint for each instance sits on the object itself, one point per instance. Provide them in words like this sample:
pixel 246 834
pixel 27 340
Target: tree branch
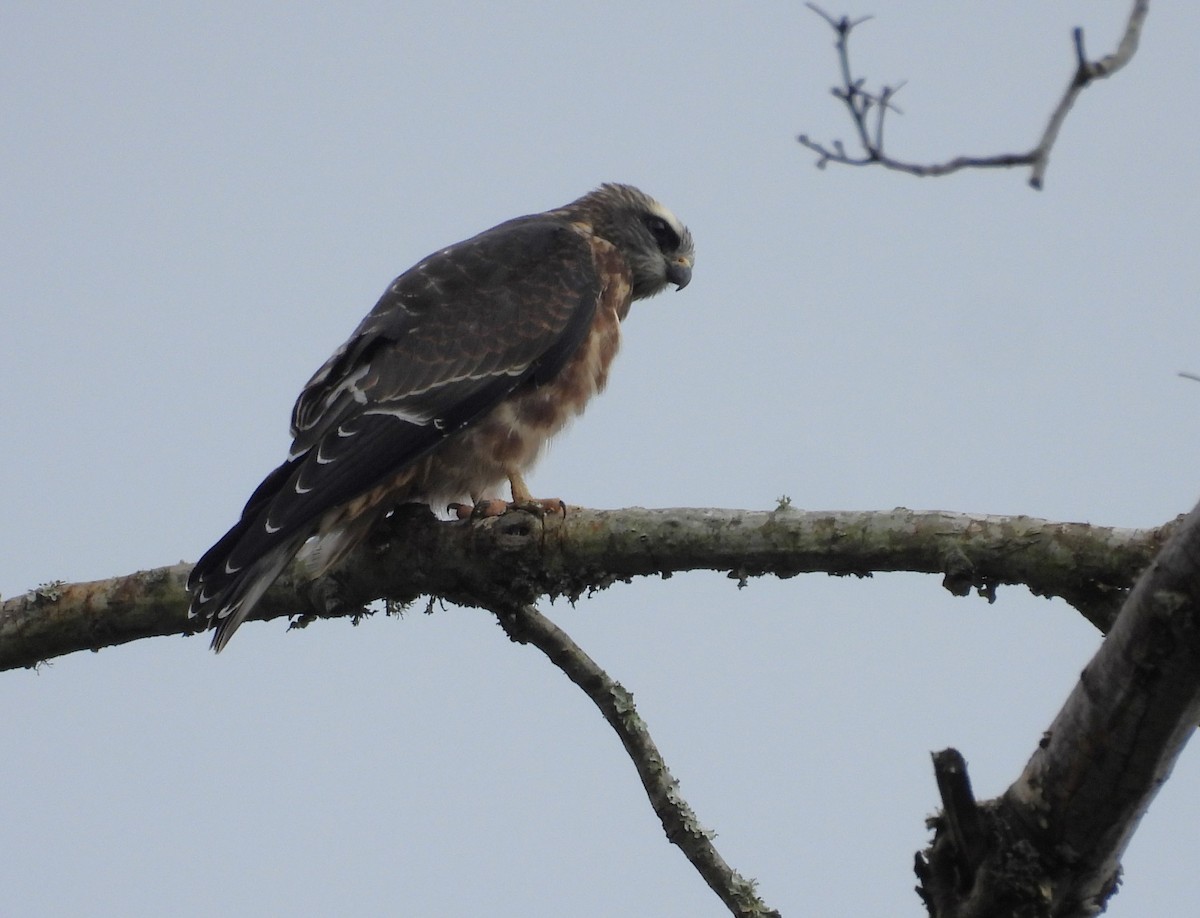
pixel 1050 846
pixel 1055 839
pixel 860 104
pixel 519 558
pixel 526 625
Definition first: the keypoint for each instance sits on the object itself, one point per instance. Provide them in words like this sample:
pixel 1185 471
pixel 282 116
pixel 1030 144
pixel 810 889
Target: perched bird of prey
pixel 452 384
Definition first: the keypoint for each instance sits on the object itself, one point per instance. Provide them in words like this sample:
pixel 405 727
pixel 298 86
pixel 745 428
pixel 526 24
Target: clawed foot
pixel 539 507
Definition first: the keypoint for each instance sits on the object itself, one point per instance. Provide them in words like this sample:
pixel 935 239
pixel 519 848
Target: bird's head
pixel 656 245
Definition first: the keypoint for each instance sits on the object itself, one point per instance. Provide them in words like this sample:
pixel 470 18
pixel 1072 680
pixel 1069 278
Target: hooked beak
pixel 679 272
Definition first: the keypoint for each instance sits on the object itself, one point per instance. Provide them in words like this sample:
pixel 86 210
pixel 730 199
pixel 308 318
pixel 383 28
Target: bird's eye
pixel 663 233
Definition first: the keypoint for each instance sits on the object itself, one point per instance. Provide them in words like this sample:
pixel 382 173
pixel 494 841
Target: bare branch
pixel 520 558
pixel 526 625
pixel 1115 741
pixel 859 102
pixel 1086 72
pixel 1055 839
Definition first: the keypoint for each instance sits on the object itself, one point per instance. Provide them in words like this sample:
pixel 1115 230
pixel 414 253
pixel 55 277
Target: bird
pixel 453 384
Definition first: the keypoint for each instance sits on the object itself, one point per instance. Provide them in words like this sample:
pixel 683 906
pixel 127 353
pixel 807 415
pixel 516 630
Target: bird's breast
pixel 511 436
pixel 476 460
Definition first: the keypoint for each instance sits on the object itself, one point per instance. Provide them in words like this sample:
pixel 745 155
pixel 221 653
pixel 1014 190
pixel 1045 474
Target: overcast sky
pixel 201 201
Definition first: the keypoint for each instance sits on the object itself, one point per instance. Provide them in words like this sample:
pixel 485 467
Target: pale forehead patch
pixel 660 210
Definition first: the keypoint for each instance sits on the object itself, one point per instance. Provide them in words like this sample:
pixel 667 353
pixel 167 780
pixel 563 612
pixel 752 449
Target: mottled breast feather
pixel 510 437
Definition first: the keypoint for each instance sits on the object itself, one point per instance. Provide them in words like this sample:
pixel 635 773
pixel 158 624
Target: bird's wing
pixel 448 340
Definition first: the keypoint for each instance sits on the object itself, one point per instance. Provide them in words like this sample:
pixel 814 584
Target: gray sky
pixel 201 201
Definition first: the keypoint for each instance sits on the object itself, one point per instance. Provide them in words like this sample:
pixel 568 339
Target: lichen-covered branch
pixel 520 558
pixel 1053 842
pixel 866 107
pixel 526 625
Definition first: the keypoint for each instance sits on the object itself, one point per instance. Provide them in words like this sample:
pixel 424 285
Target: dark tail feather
pixel 233 601
pixel 231 577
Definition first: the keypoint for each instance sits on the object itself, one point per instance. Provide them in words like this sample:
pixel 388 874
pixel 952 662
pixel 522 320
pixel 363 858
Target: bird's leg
pixel 520 490
pixel 523 500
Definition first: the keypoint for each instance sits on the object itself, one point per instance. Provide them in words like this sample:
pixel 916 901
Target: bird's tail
pixel 225 598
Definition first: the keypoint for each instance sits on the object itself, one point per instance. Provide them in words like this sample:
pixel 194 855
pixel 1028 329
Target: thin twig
pixel 526 625
pixel 1086 72
pixel 859 102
